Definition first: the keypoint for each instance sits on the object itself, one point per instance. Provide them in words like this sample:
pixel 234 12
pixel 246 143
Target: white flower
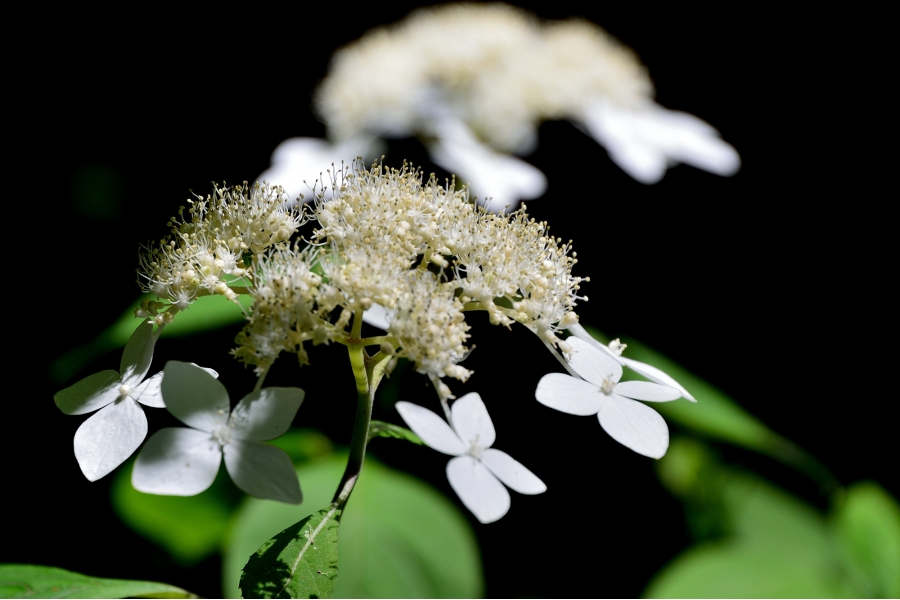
pixel 104 441
pixel 599 392
pixel 503 179
pixel 615 351
pixel 178 461
pixel 476 472
pixel 647 139
pixel 298 162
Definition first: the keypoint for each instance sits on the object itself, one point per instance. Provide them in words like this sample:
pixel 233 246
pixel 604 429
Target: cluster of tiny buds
pixel 149 309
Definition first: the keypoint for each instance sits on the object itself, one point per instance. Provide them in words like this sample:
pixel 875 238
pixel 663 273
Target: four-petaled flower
pixel 599 392
pixel 476 472
pixel 178 461
pixel 105 440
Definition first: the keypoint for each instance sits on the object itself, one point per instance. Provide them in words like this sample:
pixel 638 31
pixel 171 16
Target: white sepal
pixel 138 354
pixel 569 395
pixel 149 393
pixel 635 426
pixel 263 471
pixel 511 472
pixel 480 491
pixel 649 392
pixel 592 364
pixel 109 437
pixel 433 430
pixel 378 316
pixel 654 374
pixel 87 395
pixel 471 421
pixel 177 461
pixel 265 414
pixel 194 396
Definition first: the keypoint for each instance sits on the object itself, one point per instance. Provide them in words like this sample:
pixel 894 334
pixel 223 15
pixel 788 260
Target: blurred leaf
pixel 188 528
pixel 206 313
pixel 303 444
pixel 299 562
pixel 382 429
pixel 778 547
pixel 399 537
pixel 719 417
pixel 32 581
pixel 868 527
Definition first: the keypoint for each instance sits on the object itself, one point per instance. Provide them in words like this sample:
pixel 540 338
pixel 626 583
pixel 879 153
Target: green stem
pixel 358 443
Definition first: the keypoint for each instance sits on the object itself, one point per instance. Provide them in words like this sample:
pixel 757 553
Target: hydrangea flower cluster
pixel 426 255
pixel 480 97
pixel 205 248
pixel 407 252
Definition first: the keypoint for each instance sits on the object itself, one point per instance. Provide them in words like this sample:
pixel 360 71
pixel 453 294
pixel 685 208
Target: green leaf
pixel 382 429
pixel 299 562
pixel 868 527
pixel 206 313
pixel 778 546
pixel 303 444
pixel 188 528
pixel 399 537
pixel 32 581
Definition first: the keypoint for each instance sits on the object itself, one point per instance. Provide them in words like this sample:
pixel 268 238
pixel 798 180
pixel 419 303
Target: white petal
pixel 644 390
pixel 108 438
pixel 298 162
pixel 511 472
pixel 177 461
pixel 479 490
pixel 433 430
pixel 635 425
pixel 263 471
pixel 505 179
pixel 138 354
pixel 149 392
pixel 657 375
pixel 471 421
pixel 569 394
pixel 194 396
pixel 378 316
pixel 265 414
pixel 685 138
pixel 93 392
pixel 617 129
pixel 593 364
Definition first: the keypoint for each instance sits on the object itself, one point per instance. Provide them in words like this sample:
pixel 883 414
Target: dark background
pixel 745 280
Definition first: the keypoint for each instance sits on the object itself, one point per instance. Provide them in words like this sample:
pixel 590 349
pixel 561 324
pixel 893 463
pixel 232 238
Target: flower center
pixel 608 385
pixel 617 347
pixel 124 390
pixel 475 449
pixel 222 435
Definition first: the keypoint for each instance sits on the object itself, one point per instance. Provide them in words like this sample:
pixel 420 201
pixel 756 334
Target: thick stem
pixel 365 395
pixel 357 449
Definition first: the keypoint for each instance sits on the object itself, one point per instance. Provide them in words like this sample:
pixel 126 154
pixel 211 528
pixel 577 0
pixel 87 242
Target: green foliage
pixel 207 313
pixel 188 528
pixel 299 562
pixel 382 429
pixel 32 581
pixel 868 529
pixel 759 541
pixel 398 536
